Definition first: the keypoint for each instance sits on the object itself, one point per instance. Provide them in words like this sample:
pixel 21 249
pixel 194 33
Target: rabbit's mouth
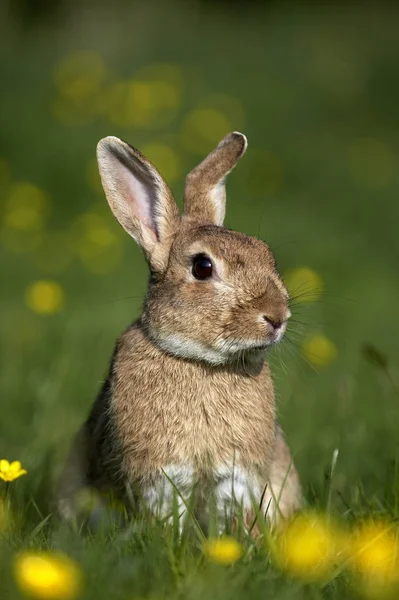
pixel 238 346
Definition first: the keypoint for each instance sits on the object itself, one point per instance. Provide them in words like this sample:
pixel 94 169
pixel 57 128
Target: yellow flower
pixel 45 297
pixel 303 284
pixel 48 576
pixel 225 551
pixel 306 548
pixel 319 350
pixel 374 555
pixel 11 471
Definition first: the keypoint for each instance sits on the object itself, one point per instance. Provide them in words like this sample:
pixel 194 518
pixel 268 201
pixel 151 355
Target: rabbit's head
pixel 214 294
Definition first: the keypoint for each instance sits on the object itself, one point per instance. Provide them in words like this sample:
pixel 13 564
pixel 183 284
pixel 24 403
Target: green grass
pixel 319 92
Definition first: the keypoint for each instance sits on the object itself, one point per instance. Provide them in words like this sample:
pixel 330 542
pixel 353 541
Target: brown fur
pixel 188 385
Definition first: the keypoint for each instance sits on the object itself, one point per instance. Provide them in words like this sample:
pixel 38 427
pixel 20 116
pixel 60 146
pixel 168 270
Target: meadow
pixel 315 89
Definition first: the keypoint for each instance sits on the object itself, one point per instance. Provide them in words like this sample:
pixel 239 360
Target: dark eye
pixel 202 267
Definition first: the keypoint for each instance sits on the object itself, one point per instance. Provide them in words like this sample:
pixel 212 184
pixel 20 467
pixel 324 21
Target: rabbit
pixel 189 399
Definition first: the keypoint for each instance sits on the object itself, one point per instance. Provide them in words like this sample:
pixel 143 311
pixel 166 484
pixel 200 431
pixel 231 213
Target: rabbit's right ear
pixel 205 193
pixel 139 198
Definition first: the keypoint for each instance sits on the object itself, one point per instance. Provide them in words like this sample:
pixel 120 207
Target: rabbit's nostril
pixel 273 322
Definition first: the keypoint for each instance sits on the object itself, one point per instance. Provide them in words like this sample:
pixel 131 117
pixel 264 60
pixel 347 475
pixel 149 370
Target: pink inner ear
pixel 139 199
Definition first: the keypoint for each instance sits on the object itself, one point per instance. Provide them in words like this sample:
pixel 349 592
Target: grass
pixel 316 92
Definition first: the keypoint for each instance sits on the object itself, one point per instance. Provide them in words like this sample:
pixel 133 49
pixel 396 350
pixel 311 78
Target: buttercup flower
pixel 225 551
pixel 306 548
pixel 11 471
pixel 46 575
pixel 375 556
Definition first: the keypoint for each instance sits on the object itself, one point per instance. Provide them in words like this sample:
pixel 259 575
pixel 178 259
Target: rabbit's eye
pixel 202 267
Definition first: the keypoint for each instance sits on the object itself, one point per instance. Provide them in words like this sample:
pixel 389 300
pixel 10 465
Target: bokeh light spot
pixel 79 73
pixel 374 557
pixel 319 350
pixel 45 297
pixel 129 103
pixel 224 551
pixel 165 159
pixel 27 206
pixel 303 284
pixel 52 576
pixel 306 547
pixel 79 79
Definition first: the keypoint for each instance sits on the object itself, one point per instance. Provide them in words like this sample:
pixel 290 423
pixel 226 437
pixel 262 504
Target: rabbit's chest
pixel 197 424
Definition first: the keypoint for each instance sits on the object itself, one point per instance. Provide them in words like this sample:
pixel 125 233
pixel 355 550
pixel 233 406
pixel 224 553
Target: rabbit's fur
pixel 189 401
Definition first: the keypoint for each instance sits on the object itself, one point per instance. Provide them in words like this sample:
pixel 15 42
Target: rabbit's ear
pixel 205 193
pixel 139 198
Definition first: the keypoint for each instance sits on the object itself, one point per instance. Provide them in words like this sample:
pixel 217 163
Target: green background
pixel 316 90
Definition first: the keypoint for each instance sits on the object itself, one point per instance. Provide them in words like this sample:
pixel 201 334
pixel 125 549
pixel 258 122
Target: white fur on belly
pixel 230 485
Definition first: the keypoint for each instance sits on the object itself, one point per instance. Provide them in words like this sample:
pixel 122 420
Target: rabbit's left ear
pixel 205 192
pixel 139 198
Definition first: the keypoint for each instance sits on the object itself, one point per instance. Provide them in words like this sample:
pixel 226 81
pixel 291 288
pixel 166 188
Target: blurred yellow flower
pixel 166 82
pixel 79 79
pixel 306 547
pixel 319 350
pixel 128 103
pixel 150 99
pixel 204 127
pixel 79 72
pixel 374 554
pixel 45 297
pixel 11 471
pixel 225 550
pixel 372 163
pixel 165 159
pixel 48 575
pixel 303 284
pixel 27 207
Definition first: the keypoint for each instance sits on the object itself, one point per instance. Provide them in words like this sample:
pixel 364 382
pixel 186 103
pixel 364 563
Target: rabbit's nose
pixel 275 323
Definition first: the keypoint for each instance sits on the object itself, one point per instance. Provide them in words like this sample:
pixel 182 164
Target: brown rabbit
pixel 189 400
